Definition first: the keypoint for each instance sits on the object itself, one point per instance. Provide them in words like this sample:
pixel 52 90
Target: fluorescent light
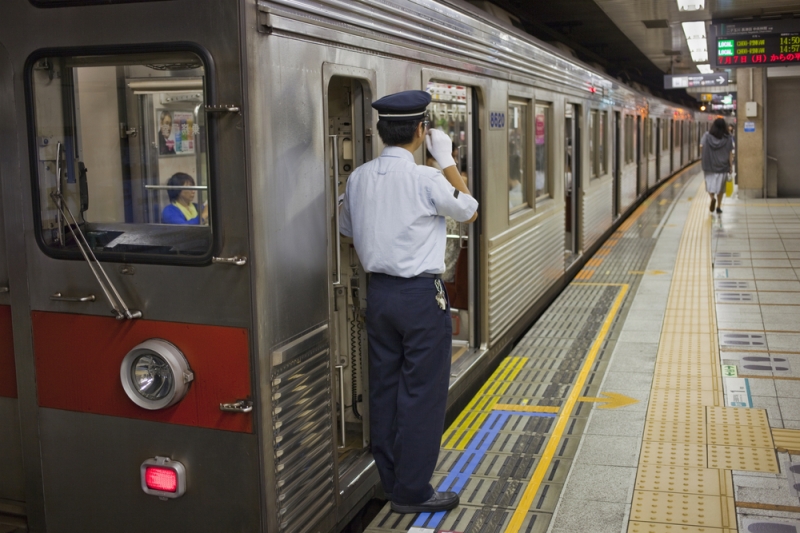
pixel 696 40
pixel 691 5
pixel 705 68
pixel 694 30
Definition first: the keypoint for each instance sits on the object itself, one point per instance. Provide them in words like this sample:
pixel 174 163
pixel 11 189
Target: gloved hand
pixel 440 147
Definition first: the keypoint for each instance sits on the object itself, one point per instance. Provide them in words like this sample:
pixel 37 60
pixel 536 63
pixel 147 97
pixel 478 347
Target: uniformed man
pixel 394 209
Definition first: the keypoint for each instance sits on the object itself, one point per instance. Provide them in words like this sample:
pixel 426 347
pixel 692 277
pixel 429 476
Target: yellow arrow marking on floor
pixel 612 400
pixel 663 202
pixel 648 272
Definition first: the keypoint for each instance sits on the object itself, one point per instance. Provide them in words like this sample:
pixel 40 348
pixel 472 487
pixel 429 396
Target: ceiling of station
pixel 634 40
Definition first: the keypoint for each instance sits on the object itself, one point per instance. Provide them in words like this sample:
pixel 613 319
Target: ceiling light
pixel 691 5
pixel 705 68
pixel 696 40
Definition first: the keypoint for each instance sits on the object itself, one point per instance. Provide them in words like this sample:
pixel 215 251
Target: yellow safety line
pixel 472 417
pixel 561 421
pixel 527 408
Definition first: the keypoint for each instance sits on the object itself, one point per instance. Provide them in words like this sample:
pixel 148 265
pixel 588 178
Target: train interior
pixel 110 133
pixel 572 173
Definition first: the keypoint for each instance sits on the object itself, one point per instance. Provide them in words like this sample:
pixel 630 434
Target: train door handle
pixel 239 406
pixel 238 260
pixel 58 297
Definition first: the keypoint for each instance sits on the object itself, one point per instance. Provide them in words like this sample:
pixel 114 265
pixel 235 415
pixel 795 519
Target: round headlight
pixel 155 374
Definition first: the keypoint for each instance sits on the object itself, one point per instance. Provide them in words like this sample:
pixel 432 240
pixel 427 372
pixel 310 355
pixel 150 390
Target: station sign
pixel 755 44
pixel 684 81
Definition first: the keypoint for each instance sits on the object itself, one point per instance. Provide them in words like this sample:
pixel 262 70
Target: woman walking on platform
pixel 717 161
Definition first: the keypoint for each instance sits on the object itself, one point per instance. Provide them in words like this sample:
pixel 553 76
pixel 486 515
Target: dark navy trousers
pixel 410 343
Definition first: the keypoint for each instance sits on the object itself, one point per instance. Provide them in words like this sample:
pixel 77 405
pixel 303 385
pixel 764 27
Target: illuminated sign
pixel 684 81
pixel 756 43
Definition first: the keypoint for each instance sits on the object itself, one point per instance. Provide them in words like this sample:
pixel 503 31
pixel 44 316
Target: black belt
pixel 423 275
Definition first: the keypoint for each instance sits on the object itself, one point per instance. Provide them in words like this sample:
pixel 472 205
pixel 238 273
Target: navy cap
pixel 406 105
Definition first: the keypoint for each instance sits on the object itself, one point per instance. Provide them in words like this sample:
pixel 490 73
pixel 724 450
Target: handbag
pixel 729 185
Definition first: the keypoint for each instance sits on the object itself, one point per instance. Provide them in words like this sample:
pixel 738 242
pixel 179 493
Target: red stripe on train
pixel 78 359
pixel 8 372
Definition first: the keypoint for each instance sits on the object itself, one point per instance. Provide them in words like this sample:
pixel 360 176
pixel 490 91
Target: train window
pixel 121 154
pixel 518 160
pixel 592 129
pixel 62 3
pixel 628 139
pixel 664 134
pixel 601 141
pixel 542 146
pixel 652 136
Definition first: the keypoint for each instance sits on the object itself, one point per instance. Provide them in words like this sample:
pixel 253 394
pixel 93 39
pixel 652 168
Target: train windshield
pixel 121 156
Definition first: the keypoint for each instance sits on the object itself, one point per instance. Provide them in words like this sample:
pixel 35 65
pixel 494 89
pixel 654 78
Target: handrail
pixel 177 187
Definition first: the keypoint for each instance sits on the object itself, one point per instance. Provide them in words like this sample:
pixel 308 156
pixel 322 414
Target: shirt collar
pixel 396 151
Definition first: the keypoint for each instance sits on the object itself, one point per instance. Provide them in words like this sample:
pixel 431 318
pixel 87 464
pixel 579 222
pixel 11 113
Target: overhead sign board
pixel 684 81
pixel 757 44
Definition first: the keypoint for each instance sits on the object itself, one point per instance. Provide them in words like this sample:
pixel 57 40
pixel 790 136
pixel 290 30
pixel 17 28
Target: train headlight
pixel 155 374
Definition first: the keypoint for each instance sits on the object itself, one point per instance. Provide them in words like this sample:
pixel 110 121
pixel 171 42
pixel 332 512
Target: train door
pixel 615 168
pixel 349 120
pixel 453 110
pixel 572 180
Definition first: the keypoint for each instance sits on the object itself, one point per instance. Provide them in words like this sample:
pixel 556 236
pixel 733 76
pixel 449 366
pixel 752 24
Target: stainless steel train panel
pixel 522 269
pixel 664 162
pixel 302 432
pixel 11 480
pixel 627 186
pixel 92 481
pixel 597 206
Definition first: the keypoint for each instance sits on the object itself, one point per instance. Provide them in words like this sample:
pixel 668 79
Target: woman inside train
pixel 182 209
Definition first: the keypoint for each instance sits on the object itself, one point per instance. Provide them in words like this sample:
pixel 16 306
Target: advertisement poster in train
pixel 176 131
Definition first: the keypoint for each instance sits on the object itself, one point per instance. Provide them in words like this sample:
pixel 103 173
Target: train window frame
pixel 591 129
pixel 527 204
pixel 547 151
pixel 602 142
pixel 628 126
pixel 212 169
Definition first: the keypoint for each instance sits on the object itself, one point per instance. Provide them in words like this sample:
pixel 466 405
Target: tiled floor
pixel 758 241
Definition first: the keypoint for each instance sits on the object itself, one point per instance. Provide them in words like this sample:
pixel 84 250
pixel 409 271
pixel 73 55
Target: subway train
pixel 210 375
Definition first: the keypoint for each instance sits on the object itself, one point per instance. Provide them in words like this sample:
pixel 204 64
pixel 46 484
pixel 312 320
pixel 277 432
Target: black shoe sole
pixel 408 509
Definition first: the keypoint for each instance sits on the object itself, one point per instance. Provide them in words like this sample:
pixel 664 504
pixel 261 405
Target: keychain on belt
pixel 440 299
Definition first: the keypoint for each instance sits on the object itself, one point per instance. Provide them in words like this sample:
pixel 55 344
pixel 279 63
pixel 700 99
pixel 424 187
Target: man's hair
pixel 394 133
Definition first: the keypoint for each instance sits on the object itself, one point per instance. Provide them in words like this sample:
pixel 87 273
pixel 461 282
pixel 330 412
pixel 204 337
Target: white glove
pixel 440 147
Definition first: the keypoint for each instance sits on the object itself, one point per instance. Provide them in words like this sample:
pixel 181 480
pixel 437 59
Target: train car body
pixel 210 376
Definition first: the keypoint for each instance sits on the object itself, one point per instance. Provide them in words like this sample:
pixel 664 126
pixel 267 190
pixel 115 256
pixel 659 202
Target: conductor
pixel 394 209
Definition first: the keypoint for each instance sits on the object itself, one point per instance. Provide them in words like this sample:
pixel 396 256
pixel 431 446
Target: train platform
pixel 658 393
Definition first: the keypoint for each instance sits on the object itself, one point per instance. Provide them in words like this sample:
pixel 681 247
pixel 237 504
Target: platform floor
pixel 615 412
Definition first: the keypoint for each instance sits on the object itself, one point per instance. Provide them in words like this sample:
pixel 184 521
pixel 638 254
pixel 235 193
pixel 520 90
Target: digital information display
pixel 755 43
pixel 758 50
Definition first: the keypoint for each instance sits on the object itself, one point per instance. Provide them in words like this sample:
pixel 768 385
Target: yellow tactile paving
pixel 787 440
pixel 651 527
pixel 691 440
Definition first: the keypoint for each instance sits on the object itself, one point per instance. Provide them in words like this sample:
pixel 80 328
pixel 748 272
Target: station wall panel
pixel 8 373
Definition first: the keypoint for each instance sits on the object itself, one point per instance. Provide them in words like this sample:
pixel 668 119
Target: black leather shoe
pixel 719 211
pixel 440 501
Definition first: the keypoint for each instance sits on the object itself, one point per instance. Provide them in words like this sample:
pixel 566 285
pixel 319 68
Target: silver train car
pixel 209 376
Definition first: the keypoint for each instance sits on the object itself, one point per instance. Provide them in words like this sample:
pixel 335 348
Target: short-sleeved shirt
pixel 394 209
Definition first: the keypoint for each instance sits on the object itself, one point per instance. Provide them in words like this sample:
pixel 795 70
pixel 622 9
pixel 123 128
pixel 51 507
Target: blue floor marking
pixel 470 458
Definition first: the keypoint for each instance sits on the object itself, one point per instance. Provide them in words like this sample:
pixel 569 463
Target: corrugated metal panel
pixel 627 186
pixel 301 393
pixel 597 216
pixel 521 270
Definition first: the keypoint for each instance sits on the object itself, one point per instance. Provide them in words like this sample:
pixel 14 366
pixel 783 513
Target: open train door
pixel 453 110
pixel 350 144
pixel 572 180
